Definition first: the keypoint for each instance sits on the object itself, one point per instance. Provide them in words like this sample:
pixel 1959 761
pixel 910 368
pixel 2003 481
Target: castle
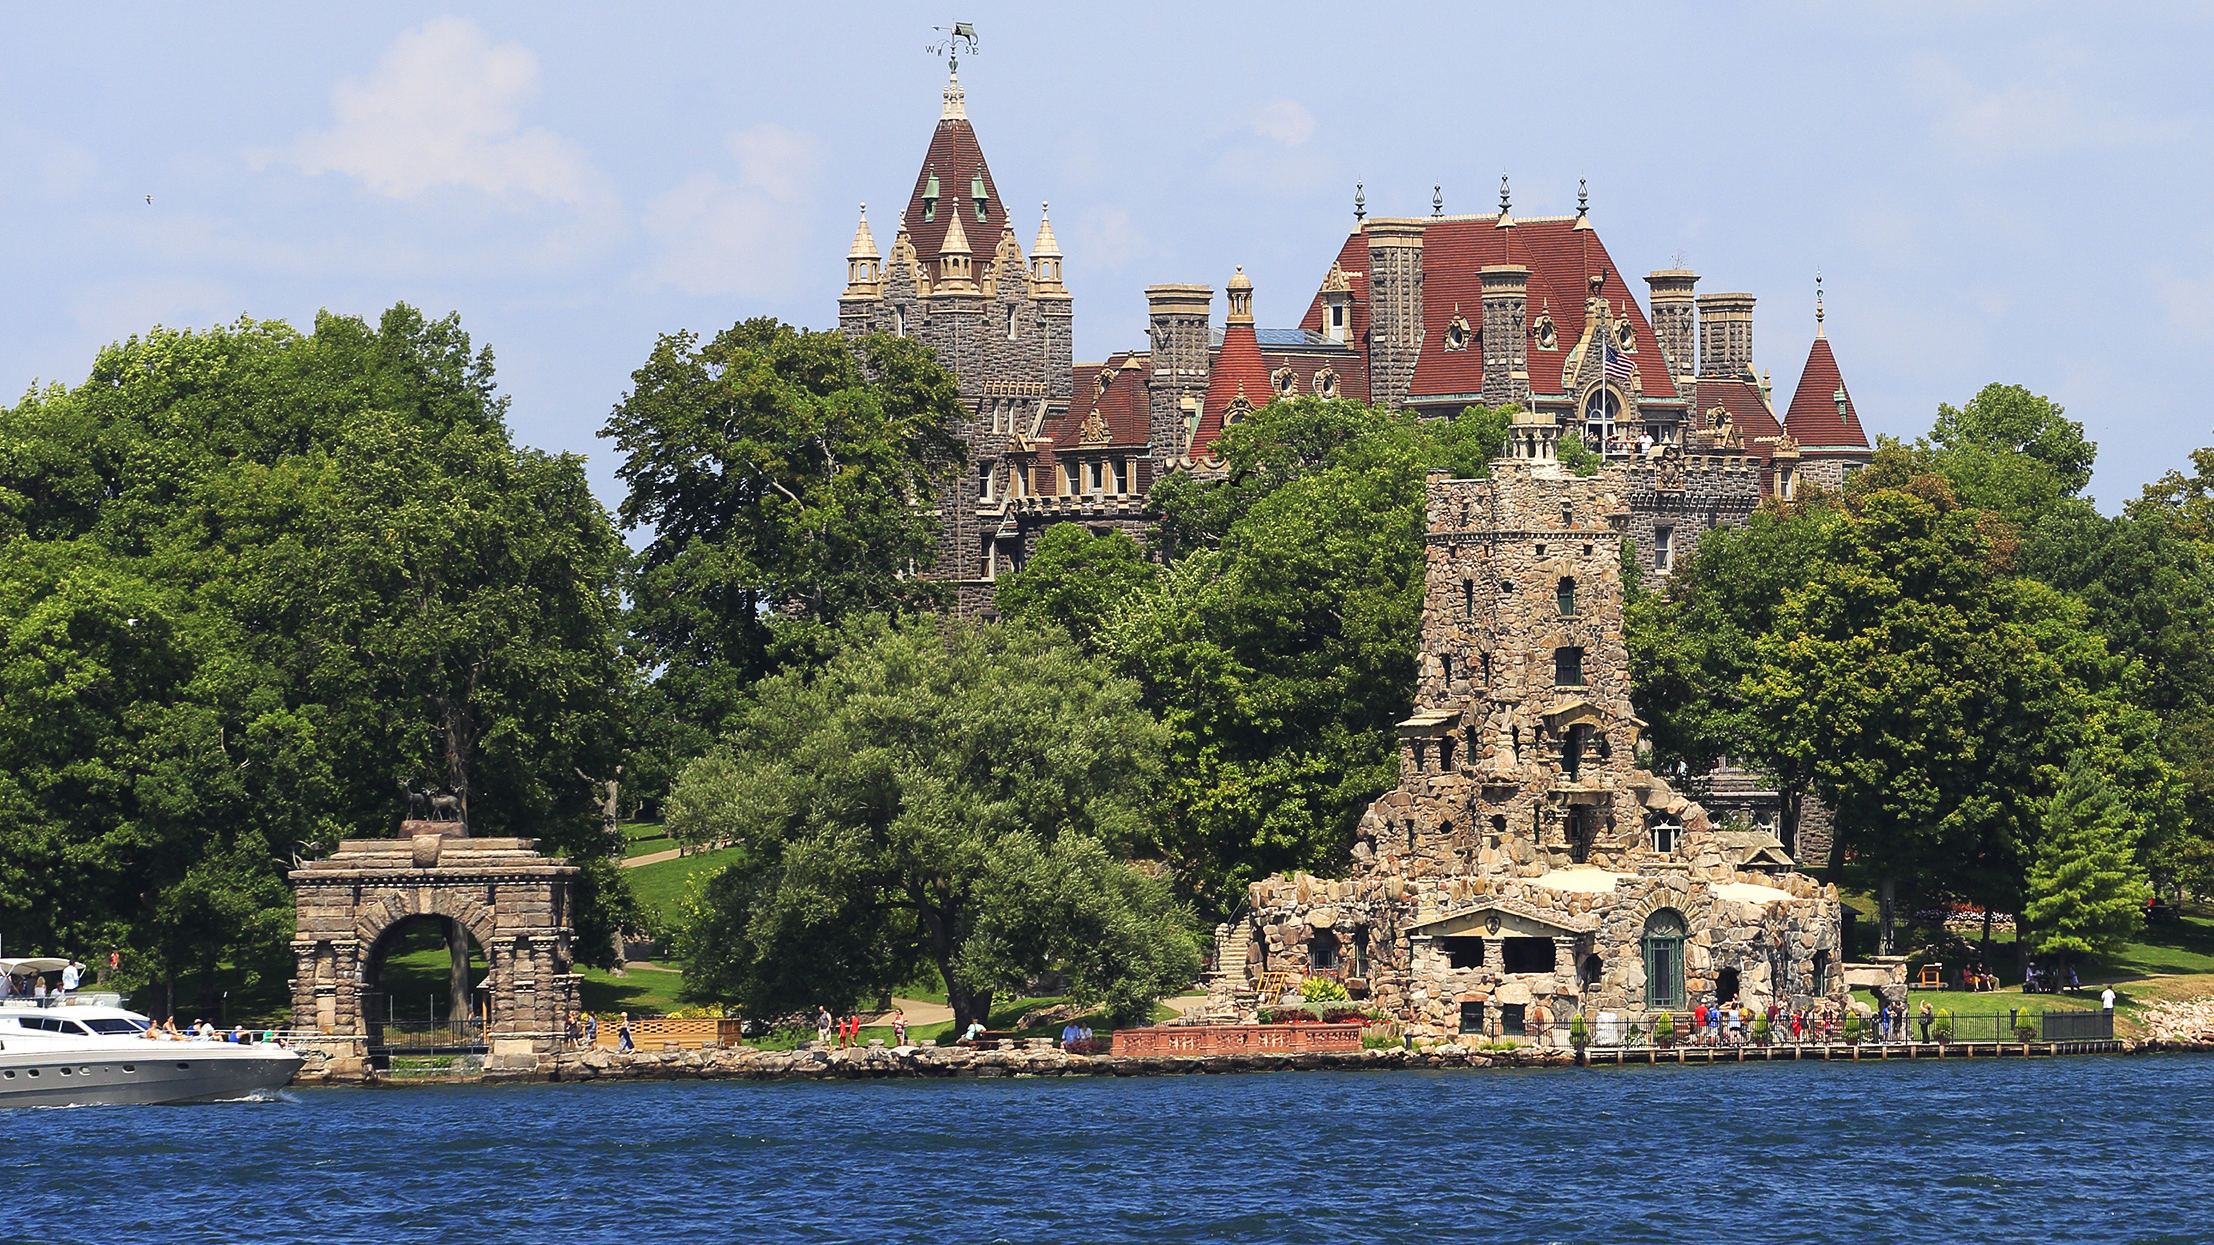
pixel 1432 314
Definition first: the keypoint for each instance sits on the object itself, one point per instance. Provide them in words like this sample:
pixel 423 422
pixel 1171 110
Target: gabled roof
pixel 1455 249
pixel 1750 412
pixel 1239 370
pixel 1813 416
pixel 955 157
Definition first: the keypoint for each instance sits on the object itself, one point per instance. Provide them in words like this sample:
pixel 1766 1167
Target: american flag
pixel 1619 365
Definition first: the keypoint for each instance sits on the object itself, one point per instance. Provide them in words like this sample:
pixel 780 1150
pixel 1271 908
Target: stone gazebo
pixel 511 901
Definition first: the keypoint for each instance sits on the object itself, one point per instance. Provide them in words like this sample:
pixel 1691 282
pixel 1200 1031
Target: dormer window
pixel 930 198
pixel 976 192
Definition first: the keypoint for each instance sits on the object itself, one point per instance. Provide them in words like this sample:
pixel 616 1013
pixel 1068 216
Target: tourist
pixel 622 1036
pixel 169 1027
pixel 41 990
pixel 853 1024
pixel 1927 1016
pixel 572 1032
pixel 822 1025
pixel 72 973
pixel 1068 1035
pixel 973 1034
pixel 899 1026
pixel 1699 1019
pixel 591 1030
pixel 1732 1020
pixel 2106 1003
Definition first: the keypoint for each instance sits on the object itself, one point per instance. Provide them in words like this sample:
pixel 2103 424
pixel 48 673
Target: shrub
pixel 1322 990
pixel 1579 1034
pixel 1944 1026
pixel 1762 1030
pixel 2025 1029
pixel 1664 1030
pixel 1385 1036
pixel 1852 1031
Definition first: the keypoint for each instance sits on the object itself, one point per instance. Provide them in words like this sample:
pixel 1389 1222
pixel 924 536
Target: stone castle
pixel 1520 819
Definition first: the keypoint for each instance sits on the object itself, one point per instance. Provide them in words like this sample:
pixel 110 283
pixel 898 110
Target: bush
pixel 1852 1032
pixel 1944 1025
pixel 1664 1030
pixel 1322 990
pixel 1762 1030
pixel 2025 1029
pixel 1385 1036
pixel 1579 1033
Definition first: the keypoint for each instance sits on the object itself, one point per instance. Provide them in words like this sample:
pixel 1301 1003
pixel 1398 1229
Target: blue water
pixel 2008 1152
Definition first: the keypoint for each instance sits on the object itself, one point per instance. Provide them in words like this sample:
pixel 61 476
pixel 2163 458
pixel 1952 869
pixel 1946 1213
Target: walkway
pixel 653 858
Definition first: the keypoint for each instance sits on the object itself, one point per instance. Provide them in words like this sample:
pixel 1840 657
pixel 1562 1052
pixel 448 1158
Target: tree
pixel 779 471
pixel 1576 456
pixel 2086 892
pixel 940 794
pixel 1279 646
pixel 2008 451
pixel 1075 580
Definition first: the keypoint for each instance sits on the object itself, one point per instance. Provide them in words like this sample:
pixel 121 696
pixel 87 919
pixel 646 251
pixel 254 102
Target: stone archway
pixel 512 902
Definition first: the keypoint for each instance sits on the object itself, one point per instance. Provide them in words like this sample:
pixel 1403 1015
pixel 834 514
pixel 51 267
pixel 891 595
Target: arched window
pixel 1322 950
pixel 1601 410
pixel 1664 960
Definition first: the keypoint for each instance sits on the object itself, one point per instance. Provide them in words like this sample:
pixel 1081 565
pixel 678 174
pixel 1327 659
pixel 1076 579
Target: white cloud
pixel 1285 120
pixel 744 236
pixel 444 109
pixel 2024 118
pixel 1105 240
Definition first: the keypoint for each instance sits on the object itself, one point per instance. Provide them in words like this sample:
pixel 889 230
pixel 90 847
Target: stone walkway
pixel 653 858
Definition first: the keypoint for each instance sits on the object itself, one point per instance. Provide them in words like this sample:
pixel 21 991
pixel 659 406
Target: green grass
pixel 661 888
pixel 643 838
pixel 1990 1003
pixel 2181 947
pixel 644 992
pixel 1003 1019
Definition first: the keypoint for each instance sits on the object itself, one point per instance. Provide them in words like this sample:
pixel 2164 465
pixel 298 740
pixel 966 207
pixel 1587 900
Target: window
pixel 1122 476
pixel 984 482
pixel 1410 834
pixel 1664 548
pixel 1076 478
pixel 1568 667
pixel 1821 974
pixel 1564 595
pixel 1463 952
pixel 1664 836
pixel 1664 960
pixel 1360 952
pixel 1010 324
pixel 1785 485
pixel 1445 663
pixel 976 192
pixel 1529 955
pixel 1510 1019
pixel 899 321
pixel 1322 950
pixel 1601 409
pixel 1499 825
pixel 930 198
pixel 1572 751
pixel 1098 475
pixel 1485 660
pixel 1472 1018
pixel 1445 755
pixel 1418 757
pixel 1468 598
pixel 1337 321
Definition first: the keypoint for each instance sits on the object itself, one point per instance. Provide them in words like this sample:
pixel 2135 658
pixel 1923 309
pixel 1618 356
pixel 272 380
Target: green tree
pixel 1279 645
pixel 1577 457
pixel 779 472
pixel 936 794
pixel 2086 891
pixel 2008 451
pixel 1075 580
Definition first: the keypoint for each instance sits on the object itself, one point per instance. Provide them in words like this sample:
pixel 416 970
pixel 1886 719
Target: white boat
pixel 85 1052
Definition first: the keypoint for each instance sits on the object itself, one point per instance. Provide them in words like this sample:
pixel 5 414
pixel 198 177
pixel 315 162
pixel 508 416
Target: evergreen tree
pixel 2086 891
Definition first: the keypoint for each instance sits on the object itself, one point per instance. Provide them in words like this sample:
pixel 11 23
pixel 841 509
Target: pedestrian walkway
pixel 653 858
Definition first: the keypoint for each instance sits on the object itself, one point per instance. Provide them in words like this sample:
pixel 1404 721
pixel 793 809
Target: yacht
pixel 88 1050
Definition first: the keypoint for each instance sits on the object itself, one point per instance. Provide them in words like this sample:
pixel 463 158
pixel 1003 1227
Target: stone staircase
pixel 1230 993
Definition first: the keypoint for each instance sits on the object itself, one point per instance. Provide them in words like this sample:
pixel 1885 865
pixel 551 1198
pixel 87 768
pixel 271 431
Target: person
pixel 153 1031
pixel 1699 1020
pixel 169 1030
pixel 72 973
pixel 622 1035
pixel 573 1032
pixel 1068 1035
pixel 853 1026
pixel 822 1025
pixel 1883 1023
pixel 1732 1019
pixel 2106 1002
pixel 591 1030
pixel 1927 1016
pixel 2073 984
pixel 42 997
pixel 7 987
pixel 974 1033
pixel 899 1026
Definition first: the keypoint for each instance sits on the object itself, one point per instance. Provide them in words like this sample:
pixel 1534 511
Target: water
pixel 2014 1151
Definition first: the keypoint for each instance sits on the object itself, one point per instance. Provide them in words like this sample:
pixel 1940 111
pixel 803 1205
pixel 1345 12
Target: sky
pixel 1991 192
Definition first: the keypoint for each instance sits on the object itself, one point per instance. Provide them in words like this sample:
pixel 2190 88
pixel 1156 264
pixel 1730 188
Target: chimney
pixel 1676 321
pixel 1506 335
pixel 1177 317
pixel 1394 308
pixel 1725 334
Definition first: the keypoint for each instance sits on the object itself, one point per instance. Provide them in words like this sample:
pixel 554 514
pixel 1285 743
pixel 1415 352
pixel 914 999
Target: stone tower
pixel 1725 334
pixel 1676 322
pixel 1177 317
pixel 1395 308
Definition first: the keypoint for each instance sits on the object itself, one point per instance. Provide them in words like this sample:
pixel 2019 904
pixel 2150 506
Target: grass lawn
pixel 661 888
pixel 642 838
pixel 1003 1019
pixel 645 991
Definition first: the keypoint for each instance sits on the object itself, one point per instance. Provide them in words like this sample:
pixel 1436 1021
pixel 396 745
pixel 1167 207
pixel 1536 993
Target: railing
pixel 1236 1039
pixel 423 1037
pixel 2053 1025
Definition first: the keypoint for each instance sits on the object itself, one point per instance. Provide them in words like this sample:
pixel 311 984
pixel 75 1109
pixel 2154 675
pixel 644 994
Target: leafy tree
pixel 778 471
pixel 2009 451
pixel 2086 892
pixel 2188 501
pixel 1075 580
pixel 937 794
pixel 1576 456
pixel 1279 645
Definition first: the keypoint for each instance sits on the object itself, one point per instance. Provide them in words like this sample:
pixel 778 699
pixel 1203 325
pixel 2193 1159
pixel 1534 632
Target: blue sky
pixel 1992 192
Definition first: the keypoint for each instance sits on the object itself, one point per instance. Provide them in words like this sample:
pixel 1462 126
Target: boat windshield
pixel 115 1025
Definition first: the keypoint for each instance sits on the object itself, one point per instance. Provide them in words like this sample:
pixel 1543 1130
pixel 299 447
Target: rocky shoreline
pixel 879 1063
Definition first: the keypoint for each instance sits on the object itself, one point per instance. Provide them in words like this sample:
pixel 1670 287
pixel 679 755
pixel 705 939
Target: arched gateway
pixel 512 902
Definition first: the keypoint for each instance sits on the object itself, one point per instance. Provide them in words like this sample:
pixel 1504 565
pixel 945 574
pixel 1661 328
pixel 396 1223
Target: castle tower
pixel 1056 310
pixel 864 296
pixel 1821 419
pixel 1394 308
pixel 1177 318
pixel 1725 334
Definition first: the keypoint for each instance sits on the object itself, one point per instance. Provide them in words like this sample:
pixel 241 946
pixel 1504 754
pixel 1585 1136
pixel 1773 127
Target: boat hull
pixel 151 1073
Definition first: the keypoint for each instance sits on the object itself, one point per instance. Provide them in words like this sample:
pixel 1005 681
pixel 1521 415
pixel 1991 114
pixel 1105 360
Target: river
pixel 2002 1151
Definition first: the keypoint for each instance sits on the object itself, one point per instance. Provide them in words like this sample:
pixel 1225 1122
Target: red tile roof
pixel 1813 417
pixel 1238 369
pixel 1455 249
pixel 1748 411
pixel 955 157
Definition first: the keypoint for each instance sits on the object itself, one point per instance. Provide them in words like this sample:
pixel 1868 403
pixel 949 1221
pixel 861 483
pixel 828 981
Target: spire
pixel 1437 199
pixel 956 272
pixel 956 108
pixel 1818 316
pixel 864 244
pixel 1583 205
pixel 1045 260
pixel 1360 203
pixel 864 266
pixel 1046 245
pixel 1506 217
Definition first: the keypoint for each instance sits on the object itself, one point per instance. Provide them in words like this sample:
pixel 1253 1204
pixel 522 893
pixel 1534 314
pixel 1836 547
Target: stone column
pixel 1394 308
pixel 1506 333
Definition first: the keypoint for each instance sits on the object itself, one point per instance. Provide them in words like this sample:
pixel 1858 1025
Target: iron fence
pixel 2014 1025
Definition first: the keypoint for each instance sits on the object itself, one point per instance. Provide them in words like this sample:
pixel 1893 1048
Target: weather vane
pixel 951 39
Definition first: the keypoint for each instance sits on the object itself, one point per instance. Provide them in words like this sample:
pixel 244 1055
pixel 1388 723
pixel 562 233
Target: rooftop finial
pixel 1503 199
pixel 1818 302
pixel 1360 203
pixel 951 42
pixel 1583 197
pixel 1437 199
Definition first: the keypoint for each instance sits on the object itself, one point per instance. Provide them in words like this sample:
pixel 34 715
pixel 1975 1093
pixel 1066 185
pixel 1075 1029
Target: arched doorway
pixel 1821 975
pixel 1726 986
pixel 425 984
pixel 1664 960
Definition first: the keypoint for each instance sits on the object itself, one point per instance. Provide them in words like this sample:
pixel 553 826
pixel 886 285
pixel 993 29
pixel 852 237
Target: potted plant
pixel 1579 1033
pixel 1852 1030
pixel 2025 1029
pixel 1762 1030
pixel 1664 1030
pixel 1944 1026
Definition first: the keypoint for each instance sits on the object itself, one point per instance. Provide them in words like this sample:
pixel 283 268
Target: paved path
pixel 653 858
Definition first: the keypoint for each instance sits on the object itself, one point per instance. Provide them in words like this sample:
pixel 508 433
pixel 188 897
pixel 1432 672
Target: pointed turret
pixel 1821 417
pixel 956 265
pixel 864 265
pixel 1045 260
pixel 957 108
pixel 1238 380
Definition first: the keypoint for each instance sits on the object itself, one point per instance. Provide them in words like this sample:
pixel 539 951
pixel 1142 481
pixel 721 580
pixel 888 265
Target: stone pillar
pixel 1725 334
pixel 1676 322
pixel 1506 333
pixel 1394 309
pixel 1177 318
